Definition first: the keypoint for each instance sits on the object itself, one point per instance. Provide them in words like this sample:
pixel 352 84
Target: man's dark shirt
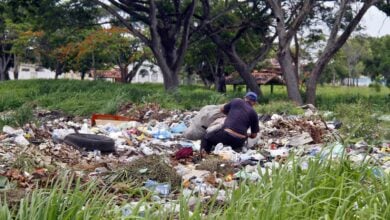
pixel 241 116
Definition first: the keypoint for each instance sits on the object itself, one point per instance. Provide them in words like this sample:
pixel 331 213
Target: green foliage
pixel 378 64
pixel 330 97
pixel 66 199
pixel 359 122
pixel 19 117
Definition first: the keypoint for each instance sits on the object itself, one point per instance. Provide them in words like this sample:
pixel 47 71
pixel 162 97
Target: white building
pixel 32 71
pixel 361 81
pixel 147 73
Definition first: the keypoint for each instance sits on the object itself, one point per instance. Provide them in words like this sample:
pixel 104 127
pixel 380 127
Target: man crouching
pixel 240 116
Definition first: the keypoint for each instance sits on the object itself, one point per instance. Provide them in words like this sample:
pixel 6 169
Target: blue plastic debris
pixel 180 128
pixel 162 134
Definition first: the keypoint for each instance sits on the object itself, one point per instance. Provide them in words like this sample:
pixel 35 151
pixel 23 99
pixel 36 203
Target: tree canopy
pixel 210 38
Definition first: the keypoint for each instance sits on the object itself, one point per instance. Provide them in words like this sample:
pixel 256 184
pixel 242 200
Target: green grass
pixel 67 198
pixel 326 189
pixel 87 97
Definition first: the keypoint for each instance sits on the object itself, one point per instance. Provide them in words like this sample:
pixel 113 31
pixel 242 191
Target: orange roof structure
pixel 112 73
pixel 271 75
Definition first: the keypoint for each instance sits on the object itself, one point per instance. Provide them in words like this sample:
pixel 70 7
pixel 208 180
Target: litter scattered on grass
pixel 152 152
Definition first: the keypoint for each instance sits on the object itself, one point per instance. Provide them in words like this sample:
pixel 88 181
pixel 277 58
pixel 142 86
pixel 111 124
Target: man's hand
pixel 251 135
pixel 222 110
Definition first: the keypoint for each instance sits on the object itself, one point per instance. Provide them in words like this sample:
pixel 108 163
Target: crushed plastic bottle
pixel 161 188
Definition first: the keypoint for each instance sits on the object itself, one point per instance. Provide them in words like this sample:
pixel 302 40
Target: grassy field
pixel 87 97
pixel 335 189
pixel 349 104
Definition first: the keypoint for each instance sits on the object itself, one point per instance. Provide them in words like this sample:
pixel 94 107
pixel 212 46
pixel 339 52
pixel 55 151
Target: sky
pixel 376 23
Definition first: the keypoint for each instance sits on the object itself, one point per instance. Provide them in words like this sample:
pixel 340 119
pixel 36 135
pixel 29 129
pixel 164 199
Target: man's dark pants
pixel 221 136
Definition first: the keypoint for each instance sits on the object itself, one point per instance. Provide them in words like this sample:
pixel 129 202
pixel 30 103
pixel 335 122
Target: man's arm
pixel 226 108
pixel 254 126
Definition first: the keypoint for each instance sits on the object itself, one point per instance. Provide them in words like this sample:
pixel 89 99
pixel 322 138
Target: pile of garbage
pixel 152 151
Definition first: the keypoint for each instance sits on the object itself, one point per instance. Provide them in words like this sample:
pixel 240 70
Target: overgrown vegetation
pixel 67 198
pixel 360 122
pixel 314 189
pixel 334 189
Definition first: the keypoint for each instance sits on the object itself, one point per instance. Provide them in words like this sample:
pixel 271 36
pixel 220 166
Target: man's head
pixel 251 97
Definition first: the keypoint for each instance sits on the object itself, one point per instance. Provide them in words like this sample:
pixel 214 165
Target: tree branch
pixel 155 41
pixel 239 33
pixel 185 36
pixel 262 52
pixel 337 23
pixel 355 21
pixel 307 6
pixel 124 22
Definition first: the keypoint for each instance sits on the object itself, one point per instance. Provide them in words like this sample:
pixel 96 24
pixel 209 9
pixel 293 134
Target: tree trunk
pixel 296 57
pixel 124 73
pixel 243 69
pixel 171 79
pixel 171 82
pixel 286 63
pixel 16 67
pixel 188 77
pixel 5 61
pixel 221 83
pixel 312 82
pixel 59 70
pixel 333 45
pixel 163 44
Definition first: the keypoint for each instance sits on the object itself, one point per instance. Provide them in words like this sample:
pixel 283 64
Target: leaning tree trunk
pixel 286 63
pixel 312 82
pixel 244 71
pixel 335 42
